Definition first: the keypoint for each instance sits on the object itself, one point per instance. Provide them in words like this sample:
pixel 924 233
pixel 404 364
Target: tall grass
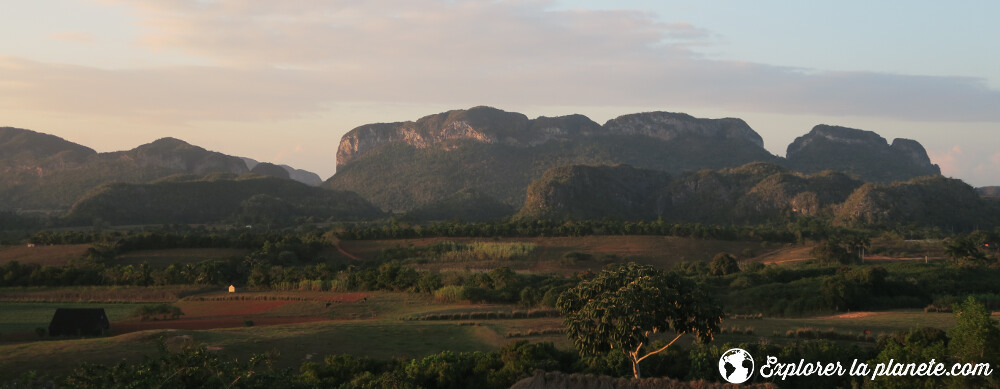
pixel 479 251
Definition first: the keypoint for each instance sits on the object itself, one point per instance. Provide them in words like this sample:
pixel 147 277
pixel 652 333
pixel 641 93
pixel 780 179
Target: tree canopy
pixel 622 305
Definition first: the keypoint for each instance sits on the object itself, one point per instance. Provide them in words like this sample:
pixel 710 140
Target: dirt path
pixel 852 315
pixel 785 255
pixel 347 254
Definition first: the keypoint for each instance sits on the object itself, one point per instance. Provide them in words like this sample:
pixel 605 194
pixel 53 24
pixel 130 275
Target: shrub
pixel 157 312
pixel 450 293
pixel 723 264
pixel 573 257
pixel 753 267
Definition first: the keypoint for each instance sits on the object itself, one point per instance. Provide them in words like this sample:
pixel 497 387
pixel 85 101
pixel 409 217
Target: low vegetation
pixel 158 312
pixel 297 295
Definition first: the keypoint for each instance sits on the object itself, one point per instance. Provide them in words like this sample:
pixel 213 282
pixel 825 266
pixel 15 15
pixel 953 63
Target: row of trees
pixel 808 229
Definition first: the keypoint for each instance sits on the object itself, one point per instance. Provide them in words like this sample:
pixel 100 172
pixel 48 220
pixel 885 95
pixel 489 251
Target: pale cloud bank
pixel 273 60
pixel 316 68
pixel 73 36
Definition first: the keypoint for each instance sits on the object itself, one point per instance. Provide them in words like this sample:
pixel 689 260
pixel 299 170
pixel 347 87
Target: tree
pixel 974 339
pixel 857 242
pixel 919 345
pixel 622 305
pixel 831 251
pixel 724 264
pixel 965 252
pixel 975 336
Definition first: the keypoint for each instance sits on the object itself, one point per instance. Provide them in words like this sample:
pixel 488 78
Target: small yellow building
pixel 232 288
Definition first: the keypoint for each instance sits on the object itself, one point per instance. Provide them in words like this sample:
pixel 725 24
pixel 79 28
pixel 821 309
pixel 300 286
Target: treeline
pixel 501 285
pixel 180 236
pixel 801 229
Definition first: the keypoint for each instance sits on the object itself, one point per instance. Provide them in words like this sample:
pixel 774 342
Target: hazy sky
pixel 282 81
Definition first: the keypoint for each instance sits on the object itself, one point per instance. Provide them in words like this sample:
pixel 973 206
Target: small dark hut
pixel 79 321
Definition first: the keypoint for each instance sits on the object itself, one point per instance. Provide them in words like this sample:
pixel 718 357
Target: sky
pixel 282 81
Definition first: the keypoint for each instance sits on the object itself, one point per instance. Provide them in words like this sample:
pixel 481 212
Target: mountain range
pixel 754 193
pixel 405 165
pixel 484 163
pixel 45 172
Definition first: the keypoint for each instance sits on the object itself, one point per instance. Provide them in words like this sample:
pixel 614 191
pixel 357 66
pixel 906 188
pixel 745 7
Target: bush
pixel 830 252
pixel 158 312
pixel 530 297
pixel 450 293
pixel 571 258
pixel 753 267
pixel 724 264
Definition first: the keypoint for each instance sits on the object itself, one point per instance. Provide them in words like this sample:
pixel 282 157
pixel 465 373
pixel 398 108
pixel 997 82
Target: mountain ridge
pixel 215 198
pixel 405 165
pixel 860 152
pixel 753 193
pixel 46 172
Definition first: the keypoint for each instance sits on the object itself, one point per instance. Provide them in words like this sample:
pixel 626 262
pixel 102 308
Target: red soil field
pixel 195 309
pixel 344 297
pixel 55 255
pixel 203 315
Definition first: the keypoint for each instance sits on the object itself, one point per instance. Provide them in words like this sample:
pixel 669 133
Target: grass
pixel 549 252
pixel 20 318
pixel 55 255
pixel 877 323
pixel 102 293
pixel 355 305
pixel 372 326
pixel 62 356
pixel 167 257
pixel 293 344
pixel 786 255
pixel 377 339
pixel 351 330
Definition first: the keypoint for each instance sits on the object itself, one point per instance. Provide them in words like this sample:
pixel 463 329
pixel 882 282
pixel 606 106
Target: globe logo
pixel 736 366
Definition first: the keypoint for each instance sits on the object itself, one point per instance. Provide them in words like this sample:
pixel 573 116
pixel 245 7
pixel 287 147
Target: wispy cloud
pixel 280 59
pixel 948 160
pixel 977 168
pixel 173 94
pixel 73 36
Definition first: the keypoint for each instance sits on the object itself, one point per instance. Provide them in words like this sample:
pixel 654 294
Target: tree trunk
pixel 635 368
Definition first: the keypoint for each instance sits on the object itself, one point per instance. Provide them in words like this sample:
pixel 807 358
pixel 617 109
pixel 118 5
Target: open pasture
pixel 852 324
pixel 19 320
pixel 167 257
pixel 291 343
pixel 90 294
pixel 54 255
pixel 550 254
pixel 303 326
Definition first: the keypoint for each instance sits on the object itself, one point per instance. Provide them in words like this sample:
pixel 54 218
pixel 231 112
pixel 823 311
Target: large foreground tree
pixel 622 305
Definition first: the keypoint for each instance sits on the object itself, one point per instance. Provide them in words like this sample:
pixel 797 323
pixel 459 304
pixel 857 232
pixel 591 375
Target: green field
pixel 550 252
pixel 19 318
pixel 297 326
pixel 383 338
pixel 88 294
pixel 164 258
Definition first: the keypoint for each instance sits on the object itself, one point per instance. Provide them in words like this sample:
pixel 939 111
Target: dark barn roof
pixel 79 321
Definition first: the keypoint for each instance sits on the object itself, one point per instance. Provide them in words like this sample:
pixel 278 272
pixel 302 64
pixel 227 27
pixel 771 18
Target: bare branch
pixel 661 348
